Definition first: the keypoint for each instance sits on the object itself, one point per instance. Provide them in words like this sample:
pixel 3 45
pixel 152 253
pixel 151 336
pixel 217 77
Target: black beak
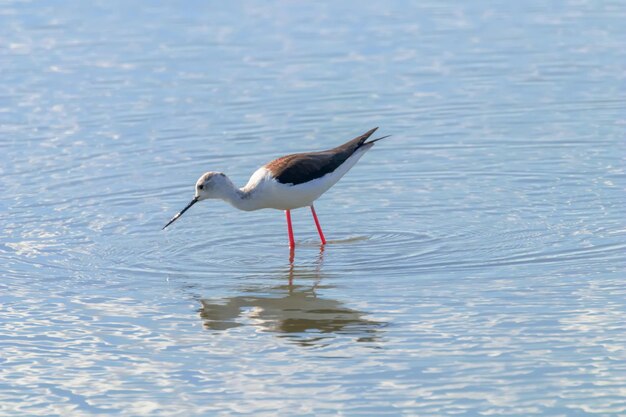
pixel 194 201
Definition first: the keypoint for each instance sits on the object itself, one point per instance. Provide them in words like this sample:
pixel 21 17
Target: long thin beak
pixel 180 213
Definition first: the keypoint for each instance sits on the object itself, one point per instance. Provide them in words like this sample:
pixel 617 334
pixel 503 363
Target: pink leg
pixel 292 243
pixel 317 224
pixel 290 275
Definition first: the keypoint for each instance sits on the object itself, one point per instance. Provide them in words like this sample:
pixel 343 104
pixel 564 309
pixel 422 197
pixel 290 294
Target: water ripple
pixel 475 260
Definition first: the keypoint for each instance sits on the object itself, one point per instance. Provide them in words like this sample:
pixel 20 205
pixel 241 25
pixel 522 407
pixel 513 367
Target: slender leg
pixel 291 267
pixel 317 224
pixel 292 243
pixel 292 256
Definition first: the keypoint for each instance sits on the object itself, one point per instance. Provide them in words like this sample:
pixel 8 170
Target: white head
pixel 209 185
pixel 212 185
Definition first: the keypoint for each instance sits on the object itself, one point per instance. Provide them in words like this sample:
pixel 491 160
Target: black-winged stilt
pixel 286 183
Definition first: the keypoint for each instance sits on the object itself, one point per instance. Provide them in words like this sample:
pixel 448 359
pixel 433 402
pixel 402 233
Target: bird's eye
pixel 201 186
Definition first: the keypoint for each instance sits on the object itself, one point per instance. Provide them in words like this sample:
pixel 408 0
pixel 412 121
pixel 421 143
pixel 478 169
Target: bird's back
pixel 297 180
pixel 303 167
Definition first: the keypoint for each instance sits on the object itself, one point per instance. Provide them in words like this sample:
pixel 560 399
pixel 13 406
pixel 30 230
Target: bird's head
pixel 209 185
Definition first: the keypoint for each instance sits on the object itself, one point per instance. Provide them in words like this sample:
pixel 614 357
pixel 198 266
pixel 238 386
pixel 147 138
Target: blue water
pixel 477 257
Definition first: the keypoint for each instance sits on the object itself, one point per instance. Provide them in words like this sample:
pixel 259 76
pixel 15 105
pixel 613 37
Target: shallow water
pixel 476 258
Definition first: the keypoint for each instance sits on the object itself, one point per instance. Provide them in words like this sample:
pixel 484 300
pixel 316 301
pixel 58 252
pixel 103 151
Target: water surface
pixel 476 258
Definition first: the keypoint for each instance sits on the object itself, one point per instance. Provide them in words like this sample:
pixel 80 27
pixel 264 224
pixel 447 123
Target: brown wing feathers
pixel 304 167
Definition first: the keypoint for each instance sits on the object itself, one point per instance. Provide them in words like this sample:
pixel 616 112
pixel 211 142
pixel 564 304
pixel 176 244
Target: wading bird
pixel 286 183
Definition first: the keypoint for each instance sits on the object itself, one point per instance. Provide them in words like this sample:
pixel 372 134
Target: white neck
pixel 236 197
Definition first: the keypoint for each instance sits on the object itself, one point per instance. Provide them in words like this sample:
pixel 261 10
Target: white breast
pixel 265 192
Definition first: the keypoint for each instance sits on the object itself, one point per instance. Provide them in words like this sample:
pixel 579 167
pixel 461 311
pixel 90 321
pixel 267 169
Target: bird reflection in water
pixel 291 309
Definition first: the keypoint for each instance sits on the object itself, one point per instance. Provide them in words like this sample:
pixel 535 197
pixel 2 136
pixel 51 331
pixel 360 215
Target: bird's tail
pixel 375 140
